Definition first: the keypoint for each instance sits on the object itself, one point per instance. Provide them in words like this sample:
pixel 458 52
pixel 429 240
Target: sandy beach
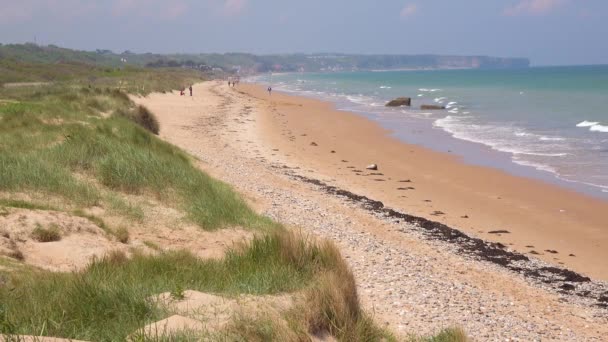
pixel 557 225
pixel 407 280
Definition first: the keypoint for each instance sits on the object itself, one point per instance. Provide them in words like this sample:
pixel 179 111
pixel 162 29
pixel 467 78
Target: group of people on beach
pixel 182 92
pixel 233 81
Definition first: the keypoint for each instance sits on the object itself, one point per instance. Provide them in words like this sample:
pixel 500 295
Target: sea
pixel 549 123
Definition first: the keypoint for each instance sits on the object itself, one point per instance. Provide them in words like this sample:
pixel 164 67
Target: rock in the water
pixel 431 107
pixel 400 101
pixel 372 167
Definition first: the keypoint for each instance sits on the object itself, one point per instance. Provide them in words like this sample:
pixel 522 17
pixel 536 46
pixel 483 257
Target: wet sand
pixel 558 225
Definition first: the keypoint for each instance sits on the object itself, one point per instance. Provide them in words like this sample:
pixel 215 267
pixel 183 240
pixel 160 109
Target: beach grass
pixel 56 140
pixel 111 298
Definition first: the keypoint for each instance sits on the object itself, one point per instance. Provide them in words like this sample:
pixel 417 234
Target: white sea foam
pixel 420 95
pixel 424 89
pixel 440 99
pixel 545 138
pixel 537 166
pixel 385 87
pixel 497 137
pixel 586 124
pixel 599 128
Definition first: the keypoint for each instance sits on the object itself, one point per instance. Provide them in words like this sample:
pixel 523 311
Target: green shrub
pixel 122 235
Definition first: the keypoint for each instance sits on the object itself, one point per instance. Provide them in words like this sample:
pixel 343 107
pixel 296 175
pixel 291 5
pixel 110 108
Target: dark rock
pixel 313 144
pixel 400 101
pixel 567 287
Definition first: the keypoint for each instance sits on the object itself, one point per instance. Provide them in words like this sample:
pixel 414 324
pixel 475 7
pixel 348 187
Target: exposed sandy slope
pixel 411 284
pixel 82 240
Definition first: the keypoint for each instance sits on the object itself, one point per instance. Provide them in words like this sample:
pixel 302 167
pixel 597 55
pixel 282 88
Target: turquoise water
pixel 552 119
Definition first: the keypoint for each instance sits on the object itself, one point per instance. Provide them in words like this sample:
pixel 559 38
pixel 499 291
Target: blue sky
pixel 549 32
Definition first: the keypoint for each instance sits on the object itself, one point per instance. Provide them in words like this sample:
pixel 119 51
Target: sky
pixel 549 32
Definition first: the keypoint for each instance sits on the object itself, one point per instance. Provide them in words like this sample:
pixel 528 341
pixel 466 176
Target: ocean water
pixel 553 120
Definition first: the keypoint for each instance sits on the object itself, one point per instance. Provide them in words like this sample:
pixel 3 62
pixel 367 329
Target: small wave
pixel 586 124
pixel 440 99
pixel 537 166
pixel 385 87
pixel 452 103
pixel 420 95
pixel 544 138
pixel 429 90
pixel 498 138
pixel 599 128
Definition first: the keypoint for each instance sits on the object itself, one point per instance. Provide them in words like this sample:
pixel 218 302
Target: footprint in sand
pixel 405 189
pixel 437 213
pixel 405 181
pixel 379 180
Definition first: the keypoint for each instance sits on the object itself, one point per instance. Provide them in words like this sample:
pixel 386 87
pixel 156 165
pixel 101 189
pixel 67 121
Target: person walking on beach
pixel 190 90
pixel 270 91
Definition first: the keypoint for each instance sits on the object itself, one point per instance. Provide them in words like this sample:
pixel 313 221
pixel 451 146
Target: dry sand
pixel 410 283
pixel 538 217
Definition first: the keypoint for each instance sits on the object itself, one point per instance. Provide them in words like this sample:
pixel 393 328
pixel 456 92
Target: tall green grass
pixel 55 141
pixel 111 298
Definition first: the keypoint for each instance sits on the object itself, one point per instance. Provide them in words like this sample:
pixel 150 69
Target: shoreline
pixel 535 218
pixel 405 280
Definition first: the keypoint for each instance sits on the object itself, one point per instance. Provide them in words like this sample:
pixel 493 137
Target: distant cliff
pixel 245 63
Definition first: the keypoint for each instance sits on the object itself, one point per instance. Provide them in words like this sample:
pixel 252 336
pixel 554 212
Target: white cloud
pixel 150 8
pixel 533 7
pixel 234 7
pixel 408 10
pixel 12 11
